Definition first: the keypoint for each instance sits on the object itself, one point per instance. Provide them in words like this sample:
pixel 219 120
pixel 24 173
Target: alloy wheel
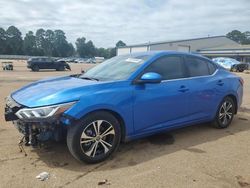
pixel 97 138
pixel 226 112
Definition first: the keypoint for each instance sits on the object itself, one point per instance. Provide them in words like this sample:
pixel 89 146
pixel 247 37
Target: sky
pixel 132 21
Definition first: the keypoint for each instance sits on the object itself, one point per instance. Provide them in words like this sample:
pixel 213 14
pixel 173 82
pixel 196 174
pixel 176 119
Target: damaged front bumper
pixel 11 108
pixel 37 132
pixel 35 129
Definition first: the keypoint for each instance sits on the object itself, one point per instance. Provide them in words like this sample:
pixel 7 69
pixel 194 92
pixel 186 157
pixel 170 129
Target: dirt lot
pixel 197 156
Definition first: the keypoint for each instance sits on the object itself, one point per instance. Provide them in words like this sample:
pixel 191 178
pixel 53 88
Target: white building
pixel 188 45
pixel 216 46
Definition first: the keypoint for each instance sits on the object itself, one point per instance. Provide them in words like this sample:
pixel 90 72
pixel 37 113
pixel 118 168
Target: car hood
pixel 52 91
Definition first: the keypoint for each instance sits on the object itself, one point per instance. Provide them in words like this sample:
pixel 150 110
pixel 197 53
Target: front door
pixel 158 105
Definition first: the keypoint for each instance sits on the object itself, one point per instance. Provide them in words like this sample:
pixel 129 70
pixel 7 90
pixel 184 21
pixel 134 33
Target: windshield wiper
pixel 89 78
pixel 75 75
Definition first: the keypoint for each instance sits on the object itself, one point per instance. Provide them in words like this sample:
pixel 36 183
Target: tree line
pixel 54 43
pixel 240 37
pixel 49 43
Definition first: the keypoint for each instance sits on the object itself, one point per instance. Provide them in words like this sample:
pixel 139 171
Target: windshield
pixel 116 68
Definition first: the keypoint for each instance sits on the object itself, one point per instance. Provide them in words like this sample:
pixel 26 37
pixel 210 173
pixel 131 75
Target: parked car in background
pixel 248 64
pixel 79 60
pixel 70 60
pixel 91 61
pixel 82 60
pixel 67 59
pixel 239 67
pixel 231 64
pixel 7 66
pixel 124 98
pixel 99 59
pixel 37 63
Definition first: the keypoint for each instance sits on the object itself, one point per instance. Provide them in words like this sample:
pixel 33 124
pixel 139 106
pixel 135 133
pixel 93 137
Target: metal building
pixel 239 52
pixel 188 45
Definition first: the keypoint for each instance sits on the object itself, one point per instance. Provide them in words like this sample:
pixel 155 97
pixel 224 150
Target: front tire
pixel 225 113
pixel 95 137
pixel 35 68
pixel 233 69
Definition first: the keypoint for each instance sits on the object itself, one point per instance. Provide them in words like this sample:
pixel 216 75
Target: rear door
pixel 206 88
pixel 51 64
pixel 162 104
pixel 41 63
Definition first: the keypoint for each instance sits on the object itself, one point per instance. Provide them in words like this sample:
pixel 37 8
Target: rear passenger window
pixel 197 67
pixel 211 68
pixel 168 67
pixel 48 60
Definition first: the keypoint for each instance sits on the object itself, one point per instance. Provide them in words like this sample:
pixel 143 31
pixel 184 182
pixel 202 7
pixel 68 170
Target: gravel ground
pixel 197 156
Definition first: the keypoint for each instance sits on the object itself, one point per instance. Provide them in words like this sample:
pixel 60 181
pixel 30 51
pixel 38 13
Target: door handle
pixel 183 89
pixel 220 83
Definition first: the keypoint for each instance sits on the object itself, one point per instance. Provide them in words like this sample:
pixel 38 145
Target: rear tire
pixel 225 113
pixel 95 137
pixel 60 68
pixel 241 70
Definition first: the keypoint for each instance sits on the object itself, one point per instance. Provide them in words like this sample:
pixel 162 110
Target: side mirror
pixel 150 77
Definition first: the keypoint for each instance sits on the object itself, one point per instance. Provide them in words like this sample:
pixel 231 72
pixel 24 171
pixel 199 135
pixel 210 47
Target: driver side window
pixel 169 67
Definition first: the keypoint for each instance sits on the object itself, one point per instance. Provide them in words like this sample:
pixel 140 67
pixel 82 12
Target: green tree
pixel 102 52
pixel 29 44
pixel 90 49
pixel 3 39
pixel 48 43
pixel 237 36
pixel 80 46
pixel 40 40
pixel 112 52
pixel 120 44
pixel 60 43
pixel 247 34
pixel 14 41
pixel 71 50
pixel 53 43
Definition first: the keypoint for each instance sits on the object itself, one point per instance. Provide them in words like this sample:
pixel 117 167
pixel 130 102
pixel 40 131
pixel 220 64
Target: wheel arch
pixel 234 98
pixel 35 65
pixel 117 116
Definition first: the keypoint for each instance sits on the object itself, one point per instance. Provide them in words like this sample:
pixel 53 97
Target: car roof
pixel 154 53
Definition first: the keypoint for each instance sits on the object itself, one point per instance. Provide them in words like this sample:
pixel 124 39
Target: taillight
pixel 241 81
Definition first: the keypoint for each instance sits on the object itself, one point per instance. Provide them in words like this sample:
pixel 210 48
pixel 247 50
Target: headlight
pixel 43 112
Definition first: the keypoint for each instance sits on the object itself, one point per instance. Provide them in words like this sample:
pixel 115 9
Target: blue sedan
pixel 126 97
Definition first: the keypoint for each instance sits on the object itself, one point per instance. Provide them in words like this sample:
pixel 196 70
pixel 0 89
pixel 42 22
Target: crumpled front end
pixel 37 124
